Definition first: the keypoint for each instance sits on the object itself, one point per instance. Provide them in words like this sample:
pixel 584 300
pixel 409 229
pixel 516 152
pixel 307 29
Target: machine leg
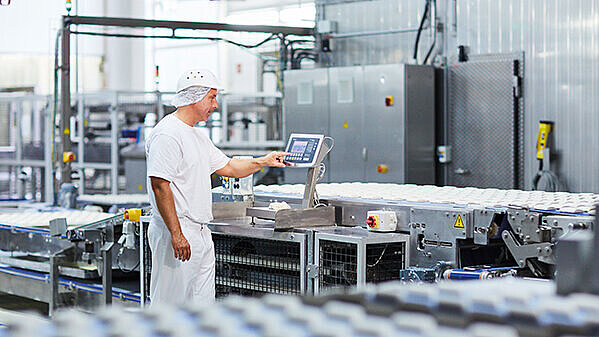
pixel 107 264
pixel 107 272
pixel 54 279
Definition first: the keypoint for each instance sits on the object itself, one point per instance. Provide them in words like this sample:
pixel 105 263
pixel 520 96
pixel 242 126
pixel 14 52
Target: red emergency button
pixel 389 101
pixel 371 221
pixel 382 168
pixel 68 157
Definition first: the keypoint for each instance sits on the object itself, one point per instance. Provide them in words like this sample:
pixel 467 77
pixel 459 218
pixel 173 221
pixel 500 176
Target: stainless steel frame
pixel 34 254
pixel 45 117
pixel 267 232
pixel 84 21
pixel 361 238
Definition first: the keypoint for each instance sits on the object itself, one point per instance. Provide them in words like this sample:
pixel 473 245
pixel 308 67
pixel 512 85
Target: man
pixel 180 160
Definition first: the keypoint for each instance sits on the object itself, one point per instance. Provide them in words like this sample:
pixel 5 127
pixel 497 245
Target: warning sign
pixel 345 126
pixel 458 222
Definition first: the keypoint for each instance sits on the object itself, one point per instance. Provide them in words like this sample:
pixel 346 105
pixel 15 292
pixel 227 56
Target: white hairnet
pixel 189 96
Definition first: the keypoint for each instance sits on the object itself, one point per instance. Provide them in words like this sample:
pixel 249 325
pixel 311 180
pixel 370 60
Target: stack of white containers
pixel 487 197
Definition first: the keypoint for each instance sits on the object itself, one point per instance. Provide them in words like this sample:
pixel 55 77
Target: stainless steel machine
pixel 381 116
pixel 68 257
pixel 445 224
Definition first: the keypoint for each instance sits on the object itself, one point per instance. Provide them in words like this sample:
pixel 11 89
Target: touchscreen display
pixel 299 147
pixel 302 150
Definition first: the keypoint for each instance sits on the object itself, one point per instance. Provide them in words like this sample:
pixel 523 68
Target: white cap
pixel 198 78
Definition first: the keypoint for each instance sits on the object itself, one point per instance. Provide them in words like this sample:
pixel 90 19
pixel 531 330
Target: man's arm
pixel 239 168
pixel 166 207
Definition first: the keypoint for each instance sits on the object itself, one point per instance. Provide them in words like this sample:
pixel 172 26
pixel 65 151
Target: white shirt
pixel 185 157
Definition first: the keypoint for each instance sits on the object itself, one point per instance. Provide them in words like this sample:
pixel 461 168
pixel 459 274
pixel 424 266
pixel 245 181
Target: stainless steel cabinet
pixel 381 116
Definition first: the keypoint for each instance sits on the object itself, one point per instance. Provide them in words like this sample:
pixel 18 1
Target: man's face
pixel 206 106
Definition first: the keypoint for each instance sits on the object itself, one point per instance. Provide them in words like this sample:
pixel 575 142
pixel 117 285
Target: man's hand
pixel 181 247
pixel 275 159
pixel 239 168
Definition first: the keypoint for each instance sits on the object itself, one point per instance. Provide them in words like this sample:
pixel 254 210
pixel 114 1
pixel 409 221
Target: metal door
pixel 486 122
pixel 384 126
pixel 346 117
pixel 306 110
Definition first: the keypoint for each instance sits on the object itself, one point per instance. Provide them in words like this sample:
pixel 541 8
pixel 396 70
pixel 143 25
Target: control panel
pixel 303 149
pixel 381 221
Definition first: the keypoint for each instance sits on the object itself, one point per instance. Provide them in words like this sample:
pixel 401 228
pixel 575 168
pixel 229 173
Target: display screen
pixel 302 150
pixel 299 147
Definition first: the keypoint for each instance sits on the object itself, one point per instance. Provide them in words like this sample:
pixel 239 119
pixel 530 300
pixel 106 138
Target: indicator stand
pixel 313 175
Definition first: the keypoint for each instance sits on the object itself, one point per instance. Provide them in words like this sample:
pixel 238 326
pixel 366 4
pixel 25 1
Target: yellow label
pixel 376 221
pixel 544 130
pixel 458 222
pixel 85 122
pixel 139 187
pixel 345 126
pixel 67 131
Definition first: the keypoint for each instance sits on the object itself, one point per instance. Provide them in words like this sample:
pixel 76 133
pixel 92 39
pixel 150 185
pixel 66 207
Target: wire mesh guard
pixel 253 267
pixel 338 262
pixel 384 261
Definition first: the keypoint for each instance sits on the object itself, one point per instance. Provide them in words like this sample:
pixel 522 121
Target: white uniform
pixel 186 157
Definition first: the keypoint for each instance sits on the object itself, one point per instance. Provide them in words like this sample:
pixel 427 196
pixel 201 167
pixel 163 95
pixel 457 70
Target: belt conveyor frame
pixel 528 234
pixel 36 255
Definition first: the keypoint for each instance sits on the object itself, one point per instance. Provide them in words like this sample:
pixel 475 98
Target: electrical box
pixel 381 221
pixel 444 154
pixel 242 186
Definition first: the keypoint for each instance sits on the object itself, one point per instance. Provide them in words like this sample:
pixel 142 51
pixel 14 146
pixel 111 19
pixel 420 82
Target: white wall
pixel 124 58
pixel 29 30
pixel 236 67
pixel 27 45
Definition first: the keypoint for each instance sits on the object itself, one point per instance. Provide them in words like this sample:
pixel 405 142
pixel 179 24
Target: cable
pixel 420 28
pixel 332 142
pixel 118 262
pixel 434 30
pixel 134 36
pixel 553 184
pixel 379 259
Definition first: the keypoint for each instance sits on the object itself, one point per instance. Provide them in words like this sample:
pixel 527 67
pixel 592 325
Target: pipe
pixel 370 33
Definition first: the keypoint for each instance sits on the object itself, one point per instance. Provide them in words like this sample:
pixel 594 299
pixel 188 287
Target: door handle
pixel 364 153
pixel 461 171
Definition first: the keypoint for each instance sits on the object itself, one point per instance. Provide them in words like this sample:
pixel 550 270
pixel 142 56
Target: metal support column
pixel 224 117
pixel 114 147
pixel 361 267
pixel 54 279
pixel 80 142
pixel 65 101
pixel 18 123
pixel 142 259
pixel 107 263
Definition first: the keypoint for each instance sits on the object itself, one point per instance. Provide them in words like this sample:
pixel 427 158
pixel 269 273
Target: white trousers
pixel 176 282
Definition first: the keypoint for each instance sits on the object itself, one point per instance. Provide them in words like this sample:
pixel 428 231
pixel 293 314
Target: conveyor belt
pixel 552 202
pixel 40 219
pixel 71 284
pixel 114 199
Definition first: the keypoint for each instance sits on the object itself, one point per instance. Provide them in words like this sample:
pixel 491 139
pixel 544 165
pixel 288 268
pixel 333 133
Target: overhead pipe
pixel 371 33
